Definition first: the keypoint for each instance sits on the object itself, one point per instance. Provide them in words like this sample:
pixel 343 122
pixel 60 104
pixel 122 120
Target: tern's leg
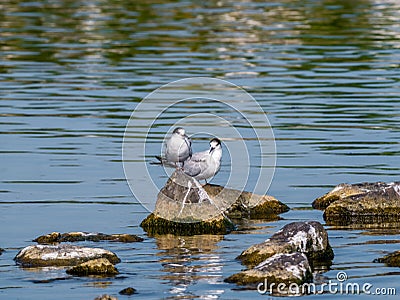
pixel 179 165
pixel 204 196
pixel 184 199
pixel 202 193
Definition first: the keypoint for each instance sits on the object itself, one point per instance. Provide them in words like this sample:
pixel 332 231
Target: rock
pixel 127 291
pixel 362 203
pixel 56 237
pixel 106 297
pixel 280 268
pixel 184 207
pixel 61 255
pixel 99 266
pixel 246 204
pixel 50 238
pixel 309 238
pixel 391 260
pixel 1 250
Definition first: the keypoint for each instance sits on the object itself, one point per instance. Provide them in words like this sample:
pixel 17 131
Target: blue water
pixel 324 72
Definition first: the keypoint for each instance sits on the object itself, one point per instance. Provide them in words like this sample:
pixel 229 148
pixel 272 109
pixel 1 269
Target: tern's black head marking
pixel 179 130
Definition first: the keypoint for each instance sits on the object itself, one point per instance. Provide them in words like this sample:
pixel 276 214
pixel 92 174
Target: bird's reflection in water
pixel 191 261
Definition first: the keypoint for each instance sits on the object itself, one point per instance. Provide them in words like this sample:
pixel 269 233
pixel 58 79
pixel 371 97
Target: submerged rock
pixel 279 268
pixel 56 237
pixel 127 291
pixel 246 204
pixel 391 260
pixel 99 266
pixel 106 297
pixel 184 207
pixel 309 238
pixel 362 203
pixel 61 255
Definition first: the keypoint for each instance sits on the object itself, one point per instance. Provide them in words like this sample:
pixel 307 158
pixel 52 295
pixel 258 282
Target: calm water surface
pixel 326 72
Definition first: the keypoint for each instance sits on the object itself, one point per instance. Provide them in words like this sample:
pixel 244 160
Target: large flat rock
pixel 184 207
pixel 61 255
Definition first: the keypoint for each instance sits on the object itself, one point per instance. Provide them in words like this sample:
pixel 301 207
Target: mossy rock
pixel 155 225
pixel 127 291
pixel 100 267
pixel 323 202
pixel 391 260
pixel 370 209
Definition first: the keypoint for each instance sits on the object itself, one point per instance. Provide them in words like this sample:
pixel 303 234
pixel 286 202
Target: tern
pixel 178 147
pixel 204 165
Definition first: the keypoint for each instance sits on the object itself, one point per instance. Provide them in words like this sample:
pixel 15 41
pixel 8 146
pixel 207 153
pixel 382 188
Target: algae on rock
pixel 155 225
pixel 57 237
pixel 99 266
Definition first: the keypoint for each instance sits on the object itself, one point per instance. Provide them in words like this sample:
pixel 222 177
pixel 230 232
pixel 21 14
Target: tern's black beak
pixel 211 149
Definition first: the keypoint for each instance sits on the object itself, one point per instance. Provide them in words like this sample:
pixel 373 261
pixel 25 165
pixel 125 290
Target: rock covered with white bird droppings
pixel 309 238
pixel 61 255
pixel 280 268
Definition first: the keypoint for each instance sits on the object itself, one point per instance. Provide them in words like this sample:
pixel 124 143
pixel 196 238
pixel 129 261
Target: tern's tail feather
pixel 163 161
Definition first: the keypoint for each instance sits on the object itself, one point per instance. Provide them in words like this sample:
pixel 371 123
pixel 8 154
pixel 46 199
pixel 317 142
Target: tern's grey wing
pixel 198 156
pixel 192 167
